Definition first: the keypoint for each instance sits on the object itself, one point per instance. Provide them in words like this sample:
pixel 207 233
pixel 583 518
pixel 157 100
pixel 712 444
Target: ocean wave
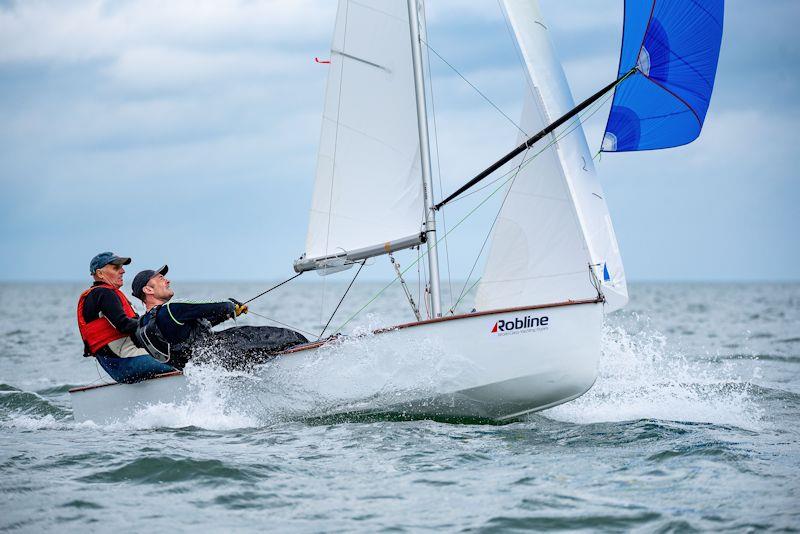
pixel 17 406
pixel 164 469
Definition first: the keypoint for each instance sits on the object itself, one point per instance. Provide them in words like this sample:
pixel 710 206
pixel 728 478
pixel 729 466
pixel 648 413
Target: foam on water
pixel 213 403
pixel 361 371
pixel 641 377
pixel 32 422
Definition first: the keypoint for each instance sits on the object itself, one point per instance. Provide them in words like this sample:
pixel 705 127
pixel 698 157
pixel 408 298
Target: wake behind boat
pixel 554 267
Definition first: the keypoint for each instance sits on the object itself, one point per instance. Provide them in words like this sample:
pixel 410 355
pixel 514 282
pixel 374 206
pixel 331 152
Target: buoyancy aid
pixel 149 336
pixel 100 332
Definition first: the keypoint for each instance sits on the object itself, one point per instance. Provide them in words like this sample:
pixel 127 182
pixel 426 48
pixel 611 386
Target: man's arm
pixel 109 305
pixel 214 312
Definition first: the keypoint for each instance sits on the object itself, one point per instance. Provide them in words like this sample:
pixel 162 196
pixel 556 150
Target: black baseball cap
pixel 142 278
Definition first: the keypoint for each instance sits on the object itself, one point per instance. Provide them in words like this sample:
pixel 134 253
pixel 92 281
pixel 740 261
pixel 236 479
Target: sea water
pixel 693 424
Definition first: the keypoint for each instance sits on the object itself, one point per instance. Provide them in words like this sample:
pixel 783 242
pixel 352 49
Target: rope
pixel 273 287
pixel 341 300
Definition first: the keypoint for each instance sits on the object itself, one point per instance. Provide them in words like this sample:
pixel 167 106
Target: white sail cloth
pixel 554 223
pixel 368 187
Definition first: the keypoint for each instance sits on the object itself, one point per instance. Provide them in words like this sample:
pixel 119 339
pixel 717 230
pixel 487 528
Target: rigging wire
pixel 495 106
pixel 439 174
pixel 346 291
pixel 467 291
pixel 426 283
pixel 576 122
pixel 419 278
pixel 491 227
pixel 438 161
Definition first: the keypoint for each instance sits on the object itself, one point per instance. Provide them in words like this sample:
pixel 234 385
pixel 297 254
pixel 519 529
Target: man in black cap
pixel 174 331
pixel 106 320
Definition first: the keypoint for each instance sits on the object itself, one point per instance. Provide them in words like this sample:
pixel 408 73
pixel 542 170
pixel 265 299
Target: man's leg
pixel 135 369
pixel 240 346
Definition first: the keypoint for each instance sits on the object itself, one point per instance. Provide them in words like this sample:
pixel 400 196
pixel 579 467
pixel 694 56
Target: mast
pixel 425 158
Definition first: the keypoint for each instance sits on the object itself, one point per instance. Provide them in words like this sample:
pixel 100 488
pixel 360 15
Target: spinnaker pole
pixel 425 157
pixel 535 138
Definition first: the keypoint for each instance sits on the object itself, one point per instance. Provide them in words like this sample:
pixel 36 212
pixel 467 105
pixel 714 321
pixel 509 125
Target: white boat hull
pixel 509 372
pixel 509 362
pixel 106 403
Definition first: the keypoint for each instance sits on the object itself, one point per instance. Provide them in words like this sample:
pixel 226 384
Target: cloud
pixel 199 122
pixel 84 30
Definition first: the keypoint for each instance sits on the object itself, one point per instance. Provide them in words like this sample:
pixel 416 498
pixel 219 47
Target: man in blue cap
pixel 106 321
pixel 174 331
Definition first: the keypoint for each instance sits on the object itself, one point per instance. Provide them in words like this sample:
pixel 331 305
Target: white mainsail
pixel 368 188
pixel 554 223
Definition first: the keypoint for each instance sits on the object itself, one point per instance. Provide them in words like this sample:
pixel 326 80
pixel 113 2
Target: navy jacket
pixel 180 322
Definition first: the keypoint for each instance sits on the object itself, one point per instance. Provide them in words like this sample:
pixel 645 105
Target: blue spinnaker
pixel 674 46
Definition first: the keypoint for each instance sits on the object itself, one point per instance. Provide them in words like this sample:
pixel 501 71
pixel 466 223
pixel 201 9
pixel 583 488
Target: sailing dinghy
pixel 554 267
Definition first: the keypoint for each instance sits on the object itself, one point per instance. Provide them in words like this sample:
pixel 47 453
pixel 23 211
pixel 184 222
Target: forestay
pixel 554 223
pixel 368 188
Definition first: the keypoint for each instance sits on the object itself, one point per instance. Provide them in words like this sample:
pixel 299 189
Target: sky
pixel 185 132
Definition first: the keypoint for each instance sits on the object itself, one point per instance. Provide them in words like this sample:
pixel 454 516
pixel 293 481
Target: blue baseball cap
pixel 104 258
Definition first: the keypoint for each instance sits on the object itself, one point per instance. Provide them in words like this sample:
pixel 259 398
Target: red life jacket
pixel 100 332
